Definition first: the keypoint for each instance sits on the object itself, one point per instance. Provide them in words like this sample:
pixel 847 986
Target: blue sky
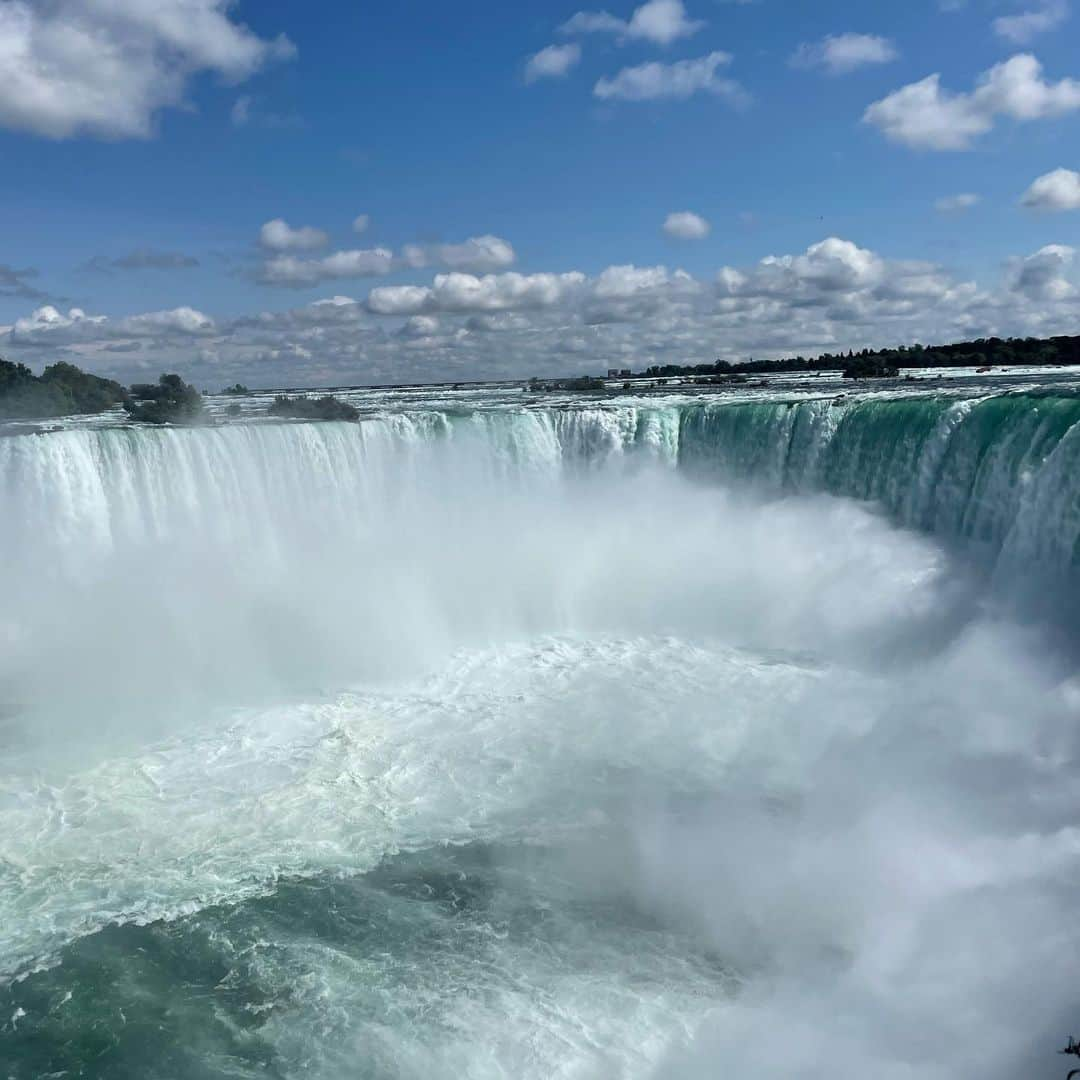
pixel 517 166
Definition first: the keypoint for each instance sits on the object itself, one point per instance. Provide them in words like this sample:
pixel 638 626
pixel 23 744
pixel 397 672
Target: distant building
pixel 612 373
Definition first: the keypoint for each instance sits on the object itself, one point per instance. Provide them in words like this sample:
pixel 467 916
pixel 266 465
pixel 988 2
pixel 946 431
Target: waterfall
pixel 1000 473
pixel 591 738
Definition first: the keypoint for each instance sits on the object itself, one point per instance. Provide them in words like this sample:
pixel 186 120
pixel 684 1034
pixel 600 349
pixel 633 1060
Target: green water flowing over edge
pixel 1002 472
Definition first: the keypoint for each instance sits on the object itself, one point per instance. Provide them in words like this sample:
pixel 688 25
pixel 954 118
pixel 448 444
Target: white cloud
pixel 686 225
pixel 49 319
pixel 49 327
pixel 106 67
pixel 399 299
pixel 623 282
pixel 1027 25
pixel 181 320
pixel 1042 276
pixel 1057 190
pixel 635 294
pixel 593 22
pixel 834 295
pixel 554 62
pixel 841 53
pixel 477 255
pixel 297 272
pixel 458 292
pixel 420 326
pixel 831 266
pixel 921 115
pixel 662 21
pixel 278 235
pixel 673 82
pixel 283 266
pixel 957 204
pixel 360 223
pixel 924 116
pixel 659 21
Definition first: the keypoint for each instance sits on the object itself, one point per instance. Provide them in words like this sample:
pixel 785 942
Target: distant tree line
pixel 983 352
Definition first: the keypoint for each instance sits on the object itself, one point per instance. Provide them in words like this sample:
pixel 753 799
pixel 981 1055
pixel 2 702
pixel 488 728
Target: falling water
pixel 664 737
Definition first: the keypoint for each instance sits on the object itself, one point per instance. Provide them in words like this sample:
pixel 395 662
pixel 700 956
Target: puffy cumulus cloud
pixel 399 299
pixel 628 294
pixel 106 67
pixel 181 320
pixel 502 292
pixel 361 223
pixel 1027 25
pixel 1057 190
pixel 464 293
pixel 49 328
pixel 957 204
pixel 662 22
pixel 279 235
pixel 49 320
pixel 686 225
pixel 553 62
pixel 477 255
pixel 840 53
pixel 683 79
pixel 925 116
pixel 420 326
pixel 831 266
pixel 659 21
pixel 1043 276
pixel 624 282
pixel 296 272
pixel 834 295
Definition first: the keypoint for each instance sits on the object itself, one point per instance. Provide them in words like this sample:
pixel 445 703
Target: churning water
pixel 658 738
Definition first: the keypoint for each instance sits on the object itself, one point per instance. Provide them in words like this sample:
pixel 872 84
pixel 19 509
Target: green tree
pixel 168 401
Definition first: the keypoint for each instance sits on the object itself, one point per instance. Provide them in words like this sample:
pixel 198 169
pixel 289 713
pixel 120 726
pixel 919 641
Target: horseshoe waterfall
pixel 497 735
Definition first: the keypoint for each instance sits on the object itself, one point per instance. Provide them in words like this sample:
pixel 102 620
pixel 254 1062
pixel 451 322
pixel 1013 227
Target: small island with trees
pixel 61 390
pixel 305 408
pixel 65 390
pixel 168 401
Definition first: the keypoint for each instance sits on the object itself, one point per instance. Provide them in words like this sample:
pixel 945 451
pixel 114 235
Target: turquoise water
pixel 646 737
